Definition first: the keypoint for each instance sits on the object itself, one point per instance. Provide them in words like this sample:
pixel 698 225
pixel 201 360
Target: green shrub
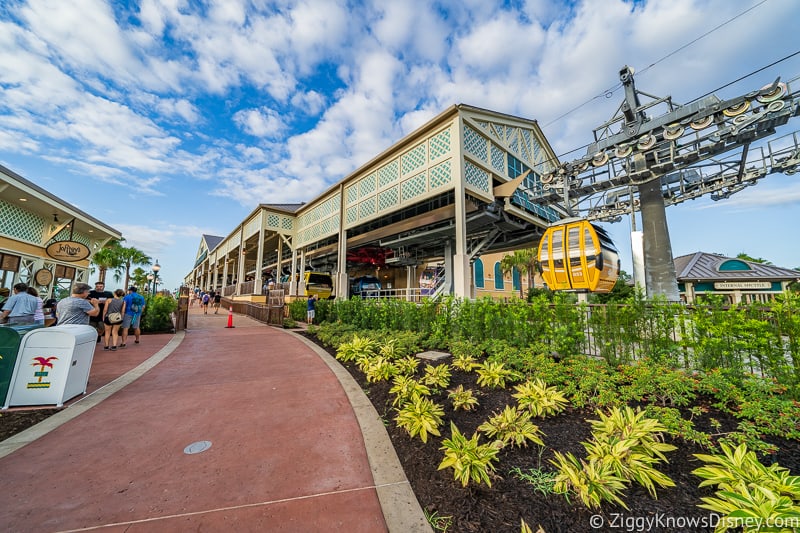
pixel 157 315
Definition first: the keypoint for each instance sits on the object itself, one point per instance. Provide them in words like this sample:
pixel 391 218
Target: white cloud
pixel 260 122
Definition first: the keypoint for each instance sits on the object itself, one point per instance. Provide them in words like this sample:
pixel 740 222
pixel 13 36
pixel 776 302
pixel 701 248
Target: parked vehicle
pixel 365 287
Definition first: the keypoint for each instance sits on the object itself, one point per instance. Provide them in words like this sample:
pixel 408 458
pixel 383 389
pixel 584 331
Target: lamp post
pixel 156 268
pixel 150 278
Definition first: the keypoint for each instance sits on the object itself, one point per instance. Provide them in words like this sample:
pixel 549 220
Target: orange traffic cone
pixel 230 317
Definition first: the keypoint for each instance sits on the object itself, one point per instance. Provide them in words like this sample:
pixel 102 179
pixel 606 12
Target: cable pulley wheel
pixel 673 131
pixel 737 109
pixel 623 151
pixel 600 159
pixel 773 95
pixel 547 178
pixel 701 123
pixel 775 106
pixel 646 142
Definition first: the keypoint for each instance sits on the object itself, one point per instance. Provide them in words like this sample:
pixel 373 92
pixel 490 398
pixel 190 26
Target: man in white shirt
pixel 19 308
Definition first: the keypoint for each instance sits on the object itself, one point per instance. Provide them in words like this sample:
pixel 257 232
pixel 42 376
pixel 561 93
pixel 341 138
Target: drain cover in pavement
pixel 197 447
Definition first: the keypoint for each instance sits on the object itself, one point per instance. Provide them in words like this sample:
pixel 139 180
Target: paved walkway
pixel 295 446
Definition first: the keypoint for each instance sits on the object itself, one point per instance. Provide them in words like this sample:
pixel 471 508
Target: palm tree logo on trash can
pixel 43 363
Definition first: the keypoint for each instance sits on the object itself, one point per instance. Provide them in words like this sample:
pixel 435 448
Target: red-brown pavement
pixel 294 444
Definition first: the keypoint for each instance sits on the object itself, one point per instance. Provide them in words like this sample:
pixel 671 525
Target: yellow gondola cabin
pixel 578 256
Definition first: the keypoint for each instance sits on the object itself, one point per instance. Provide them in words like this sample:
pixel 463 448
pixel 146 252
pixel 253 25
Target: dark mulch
pixel 499 508
pixel 13 422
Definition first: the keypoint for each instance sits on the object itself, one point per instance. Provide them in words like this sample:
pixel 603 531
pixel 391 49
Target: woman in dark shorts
pixel 113 305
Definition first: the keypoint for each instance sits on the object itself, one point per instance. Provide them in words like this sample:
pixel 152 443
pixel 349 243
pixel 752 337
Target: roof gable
pixel 713 267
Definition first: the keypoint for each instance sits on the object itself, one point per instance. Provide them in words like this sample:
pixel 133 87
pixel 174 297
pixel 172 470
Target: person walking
pixel 114 306
pixel 38 315
pixel 102 295
pixel 76 309
pixel 20 308
pixel 134 306
pixel 204 301
pixel 217 300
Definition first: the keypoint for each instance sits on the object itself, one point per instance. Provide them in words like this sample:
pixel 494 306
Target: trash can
pixel 10 339
pixel 52 366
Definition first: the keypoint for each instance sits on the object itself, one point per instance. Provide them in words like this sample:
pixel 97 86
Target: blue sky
pixel 167 119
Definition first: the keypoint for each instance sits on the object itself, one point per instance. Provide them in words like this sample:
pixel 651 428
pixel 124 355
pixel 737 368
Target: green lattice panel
pixel 477 177
pixel 440 144
pixel 388 198
pixel 325 227
pixel 513 145
pixel 413 159
pixel 366 186
pixel 538 153
pixel 413 187
pixel 286 223
pixel 351 193
pixel 475 144
pixel 273 220
pixel 352 214
pixel 498 160
pixel 20 224
pixel 441 174
pixel 387 174
pixel 64 235
pixel 366 208
pixel 528 139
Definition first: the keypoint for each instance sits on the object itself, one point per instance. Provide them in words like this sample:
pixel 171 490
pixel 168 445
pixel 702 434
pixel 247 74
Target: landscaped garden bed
pixel 585 464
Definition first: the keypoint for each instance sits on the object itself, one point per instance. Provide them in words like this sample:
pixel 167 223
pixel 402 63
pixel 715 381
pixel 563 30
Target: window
pixel 478 269
pixel 515 279
pixel 498 277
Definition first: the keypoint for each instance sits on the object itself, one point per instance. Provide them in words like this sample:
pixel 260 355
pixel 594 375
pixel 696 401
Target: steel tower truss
pixel 686 152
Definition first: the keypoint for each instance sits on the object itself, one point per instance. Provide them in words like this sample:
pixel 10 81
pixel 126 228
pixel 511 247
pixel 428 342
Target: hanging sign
pixel 68 251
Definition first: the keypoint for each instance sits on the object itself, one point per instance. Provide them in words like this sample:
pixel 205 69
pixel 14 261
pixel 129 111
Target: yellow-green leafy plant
pixel 404 387
pixel 631 445
pixel 469 460
pixel 512 427
pixel 525 528
pixel 379 369
pixel 494 375
pixel 462 398
pixel 437 376
pixel 407 365
pixel 357 348
pixel 539 399
pixel 748 493
pixel 420 416
pixel 389 350
pixel 593 482
pixel 465 362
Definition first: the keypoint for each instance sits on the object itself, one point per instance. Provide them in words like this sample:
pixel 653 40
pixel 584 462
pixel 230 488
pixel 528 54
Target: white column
pixel 460 260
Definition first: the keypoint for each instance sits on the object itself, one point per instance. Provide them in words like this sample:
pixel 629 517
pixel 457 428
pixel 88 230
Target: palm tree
pixel 104 259
pixel 524 261
pixel 139 277
pixel 746 257
pixel 131 257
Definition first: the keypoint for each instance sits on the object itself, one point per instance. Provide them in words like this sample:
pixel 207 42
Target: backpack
pixel 205 298
pixel 136 304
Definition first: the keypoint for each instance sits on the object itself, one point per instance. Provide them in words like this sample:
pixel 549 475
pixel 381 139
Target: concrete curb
pixel 23 438
pixel 399 504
